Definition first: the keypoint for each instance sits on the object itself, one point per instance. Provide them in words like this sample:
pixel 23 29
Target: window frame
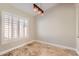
pixel 18 31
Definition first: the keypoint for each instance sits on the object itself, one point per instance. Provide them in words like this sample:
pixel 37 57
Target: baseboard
pixel 44 42
pixel 57 45
pixel 3 52
pixel 77 51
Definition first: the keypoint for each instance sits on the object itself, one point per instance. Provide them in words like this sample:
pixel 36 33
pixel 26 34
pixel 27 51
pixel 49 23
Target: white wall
pixel 31 32
pixel 58 25
pixel 77 26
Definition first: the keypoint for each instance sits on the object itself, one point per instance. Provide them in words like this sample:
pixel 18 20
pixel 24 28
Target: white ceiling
pixel 28 7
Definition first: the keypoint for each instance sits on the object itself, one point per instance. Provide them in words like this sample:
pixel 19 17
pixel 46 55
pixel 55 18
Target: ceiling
pixel 28 7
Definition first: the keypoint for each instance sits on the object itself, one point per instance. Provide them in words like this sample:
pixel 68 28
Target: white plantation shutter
pixel 6 25
pixel 21 28
pixel 6 28
pixel 10 27
pixel 25 28
pixel 23 25
pixel 13 27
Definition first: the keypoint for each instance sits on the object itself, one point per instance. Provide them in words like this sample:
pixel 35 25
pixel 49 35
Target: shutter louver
pixel 13 27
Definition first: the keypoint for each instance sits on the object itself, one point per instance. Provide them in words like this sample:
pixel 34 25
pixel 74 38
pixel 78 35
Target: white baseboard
pixel 44 42
pixel 57 45
pixel 77 51
pixel 3 52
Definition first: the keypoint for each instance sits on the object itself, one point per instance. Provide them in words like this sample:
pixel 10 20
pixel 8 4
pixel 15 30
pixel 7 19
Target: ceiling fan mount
pixel 38 10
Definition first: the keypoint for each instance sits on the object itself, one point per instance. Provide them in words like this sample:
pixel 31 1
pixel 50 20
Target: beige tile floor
pixel 39 49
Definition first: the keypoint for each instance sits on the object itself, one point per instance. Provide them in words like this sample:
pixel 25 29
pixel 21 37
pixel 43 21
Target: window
pixel 6 28
pixel 14 27
pixel 7 25
pixel 21 28
pixel 25 27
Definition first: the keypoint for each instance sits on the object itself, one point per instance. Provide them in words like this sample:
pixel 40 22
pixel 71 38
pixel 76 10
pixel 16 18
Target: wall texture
pixel 58 25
